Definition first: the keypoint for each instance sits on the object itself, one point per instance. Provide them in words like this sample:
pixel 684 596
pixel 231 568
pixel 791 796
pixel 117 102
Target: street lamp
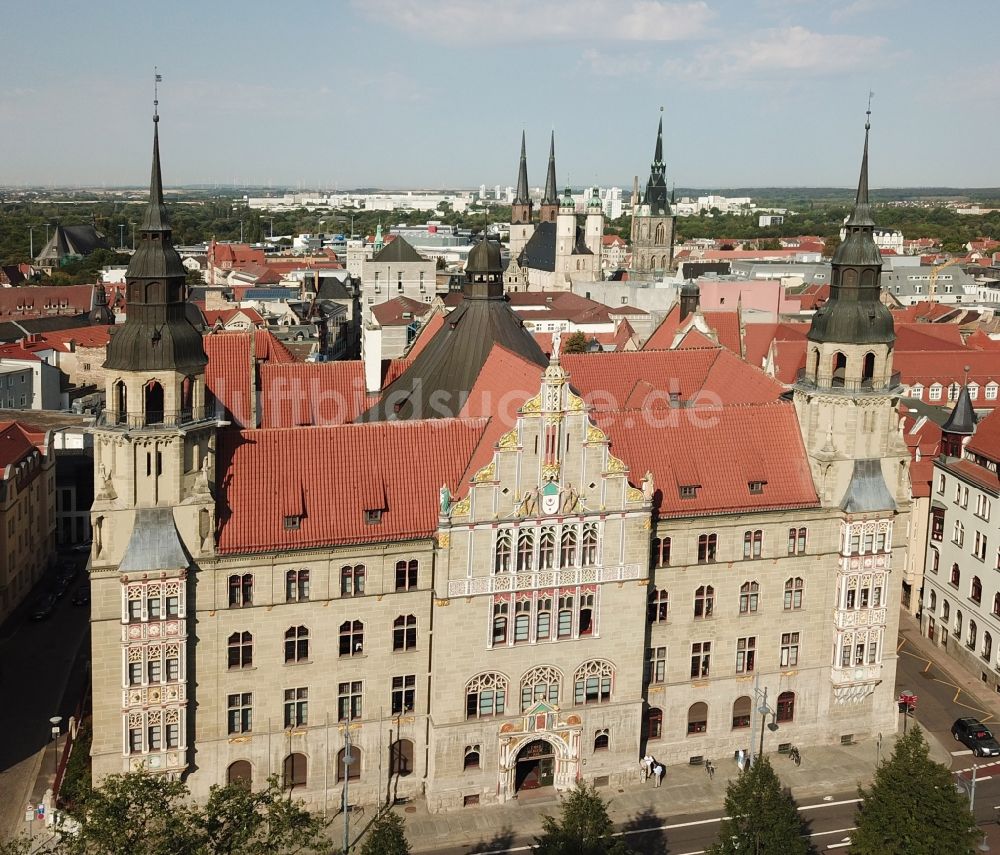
pixel 761 708
pixel 55 722
pixel 132 224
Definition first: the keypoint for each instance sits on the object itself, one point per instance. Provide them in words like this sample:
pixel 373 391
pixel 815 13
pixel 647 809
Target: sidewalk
pixel 825 770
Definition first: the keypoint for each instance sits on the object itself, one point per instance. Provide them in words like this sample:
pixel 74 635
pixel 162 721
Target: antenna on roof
pixel 157 79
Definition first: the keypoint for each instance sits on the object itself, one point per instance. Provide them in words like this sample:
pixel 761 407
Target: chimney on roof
pixel 371 353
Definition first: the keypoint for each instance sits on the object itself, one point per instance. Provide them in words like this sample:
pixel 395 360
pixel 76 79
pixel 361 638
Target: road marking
pixel 984 715
pixel 960 753
pixel 838 845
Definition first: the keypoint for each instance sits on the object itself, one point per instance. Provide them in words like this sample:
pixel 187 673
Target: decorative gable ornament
pixel 550 498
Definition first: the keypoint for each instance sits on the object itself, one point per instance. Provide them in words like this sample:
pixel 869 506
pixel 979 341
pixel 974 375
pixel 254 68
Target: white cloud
pixel 553 20
pixel 775 52
pixel 861 7
pixel 621 64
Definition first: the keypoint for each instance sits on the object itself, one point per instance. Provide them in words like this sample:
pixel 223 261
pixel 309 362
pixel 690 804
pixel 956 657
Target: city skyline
pixel 436 94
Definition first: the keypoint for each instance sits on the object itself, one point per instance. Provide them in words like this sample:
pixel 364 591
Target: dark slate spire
pixel 656 187
pixel 157 335
pixel 551 196
pixel 522 197
pixel 854 314
pixel 962 420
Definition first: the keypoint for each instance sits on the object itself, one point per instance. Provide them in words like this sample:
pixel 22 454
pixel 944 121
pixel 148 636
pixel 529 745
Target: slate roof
pixel 405 465
pixel 72 240
pixel 331 288
pixel 539 252
pixel 13 330
pixel 867 491
pixel 398 250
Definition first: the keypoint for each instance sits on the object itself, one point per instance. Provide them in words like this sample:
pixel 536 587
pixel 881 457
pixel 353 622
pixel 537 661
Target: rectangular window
pixel 135 610
pixel 789 649
pixel 240 712
pixel 153 608
pixel 349 701
pixel 134 673
pixel 701 658
pixel 746 654
pixel 173 735
pixel 173 669
pixel 656 664
pixel 153 669
pixel 154 737
pixel 403 691
pixel 707 544
pixel 296 707
pixel 135 740
pixel 173 606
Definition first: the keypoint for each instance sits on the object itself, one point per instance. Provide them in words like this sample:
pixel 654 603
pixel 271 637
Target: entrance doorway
pixel 930 628
pixel 535 766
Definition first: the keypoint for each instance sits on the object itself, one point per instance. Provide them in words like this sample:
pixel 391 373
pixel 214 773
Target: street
pixel 42 673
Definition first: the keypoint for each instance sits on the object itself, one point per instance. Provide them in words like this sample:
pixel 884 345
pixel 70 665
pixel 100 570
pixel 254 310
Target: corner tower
pixel 153 514
pixel 846 399
pixel 652 219
pixel 521 226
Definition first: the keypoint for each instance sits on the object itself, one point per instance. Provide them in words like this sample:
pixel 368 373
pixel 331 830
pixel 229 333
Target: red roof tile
pixel 695 338
pixel 399 311
pixel 38 301
pixel 307 393
pixel 314 472
pixel 231 371
pixel 726 326
pixel 719 450
pixel 986 440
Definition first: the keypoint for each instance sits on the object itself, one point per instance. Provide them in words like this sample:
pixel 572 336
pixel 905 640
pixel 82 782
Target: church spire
pixel 656 187
pixel 522 197
pixel 155 219
pixel 862 213
pixel 658 154
pixel 550 201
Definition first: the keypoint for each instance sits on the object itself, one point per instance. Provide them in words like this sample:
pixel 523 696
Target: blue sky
pixel 434 93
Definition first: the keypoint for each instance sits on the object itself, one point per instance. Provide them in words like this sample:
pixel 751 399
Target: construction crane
pixel 932 287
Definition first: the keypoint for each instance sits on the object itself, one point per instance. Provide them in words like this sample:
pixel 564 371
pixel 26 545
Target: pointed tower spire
pixel 155 218
pixel 658 153
pixel 550 200
pixel 862 213
pixel 656 187
pixel 522 197
pixel 962 419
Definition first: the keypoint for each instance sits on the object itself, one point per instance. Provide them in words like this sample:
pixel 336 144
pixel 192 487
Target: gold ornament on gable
pixel 487 473
pixel 508 440
pixel 444 539
pixel 615 465
pixel 532 405
pixel 461 508
pixel 595 434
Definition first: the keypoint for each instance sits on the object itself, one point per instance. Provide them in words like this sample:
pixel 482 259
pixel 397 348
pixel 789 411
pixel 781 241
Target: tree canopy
pixel 913 807
pixel 386 836
pixel 762 816
pixel 583 827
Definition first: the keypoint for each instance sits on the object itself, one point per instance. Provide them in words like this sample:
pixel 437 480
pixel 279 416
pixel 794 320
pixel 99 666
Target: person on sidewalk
pixel 658 774
pixel 646 767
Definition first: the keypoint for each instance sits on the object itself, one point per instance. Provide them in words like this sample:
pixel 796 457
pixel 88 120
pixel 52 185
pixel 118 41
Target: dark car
pixel 81 597
pixel 976 735
pixel 43 608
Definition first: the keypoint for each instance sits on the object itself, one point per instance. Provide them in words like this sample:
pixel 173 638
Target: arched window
pixel 586 624
pixel 601 740
pixel 564 625
pixel 945 610
pixel 987 646
pixel 996 605
pixel 240 772
pixel 658 610
pixel 588 551
pixel 501 563
pixel 567 550
pixel 958 622
pixel 470 760
pixel 785 710
pixel 976 590
pixel 932 606
pixel 501 609
pixel 753 542
pixel 543 620
pixel 121 402
pixel 352 770
pixel 815 366
pixel 868 368
pixel 485 695
pixel 839 369
pixel 793 593
pixel 404 633
pixel 973 630
pixel 352 638
pixel 547 549
pixel 352 580
pixel 956 575
pixel 153 401
pixel 697 718
pixel 294 771
pixel 749 594
pixel 661 552
pixel 525 551
pixel 297 585
pixel 522 620
pixel 593 682
pixel 540 684
pixel 187 397
pixel 654 723
pixel 401 758
pixel 240 650
pixel 741 712
pixel 704 601
pixel 297 644
pixel 659 235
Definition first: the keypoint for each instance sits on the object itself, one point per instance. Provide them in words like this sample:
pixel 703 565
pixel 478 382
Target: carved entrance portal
pixel 541 750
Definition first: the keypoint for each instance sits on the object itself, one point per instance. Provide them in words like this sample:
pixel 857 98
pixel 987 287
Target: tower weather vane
pixel 157 79
pixel 868 112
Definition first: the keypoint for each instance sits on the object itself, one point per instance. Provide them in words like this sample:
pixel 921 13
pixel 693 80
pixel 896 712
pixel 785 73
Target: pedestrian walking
pixel 646 767
pixel 710 768
pixel 658 774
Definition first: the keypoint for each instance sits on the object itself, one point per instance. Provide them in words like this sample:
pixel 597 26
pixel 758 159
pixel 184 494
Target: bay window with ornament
pixel 530 548
pixel 550 614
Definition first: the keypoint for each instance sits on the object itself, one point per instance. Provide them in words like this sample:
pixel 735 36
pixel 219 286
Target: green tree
pixel 386 836
pixel 583 828
pixel 575 343
pixel 913 807
pixel 763 818
pixel 76 786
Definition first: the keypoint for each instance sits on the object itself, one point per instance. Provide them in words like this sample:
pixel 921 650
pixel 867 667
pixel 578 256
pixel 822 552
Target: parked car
pixel 972 733
pixel 80 548
pixel 61 587
pixel 81 597
pixel 43 608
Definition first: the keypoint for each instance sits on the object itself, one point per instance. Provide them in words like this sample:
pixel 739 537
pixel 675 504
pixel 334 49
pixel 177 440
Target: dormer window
pixel 373 516
pixel 756 487
pixel 689 491
pixel 293 522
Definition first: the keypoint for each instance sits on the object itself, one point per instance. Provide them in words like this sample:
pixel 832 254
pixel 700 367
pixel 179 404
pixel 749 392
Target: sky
pixel 435 93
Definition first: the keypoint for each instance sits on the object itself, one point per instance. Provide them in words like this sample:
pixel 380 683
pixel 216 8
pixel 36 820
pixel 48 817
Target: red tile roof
pixel 399 311
pixel 17 441
pixel 719 450
pixel 331 475
pixel 986 440
pixel 224 316
pixel 726 326
pixel 695 338
pixel 305 393
pixel 92 336
pixel 231 371
pixel 39 301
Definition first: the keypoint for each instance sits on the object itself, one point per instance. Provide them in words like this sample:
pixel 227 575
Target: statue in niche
pixel 106 490
pixel 571 500
pixel 201 484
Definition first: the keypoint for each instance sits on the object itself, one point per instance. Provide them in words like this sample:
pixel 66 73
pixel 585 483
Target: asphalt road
pixel 42 674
